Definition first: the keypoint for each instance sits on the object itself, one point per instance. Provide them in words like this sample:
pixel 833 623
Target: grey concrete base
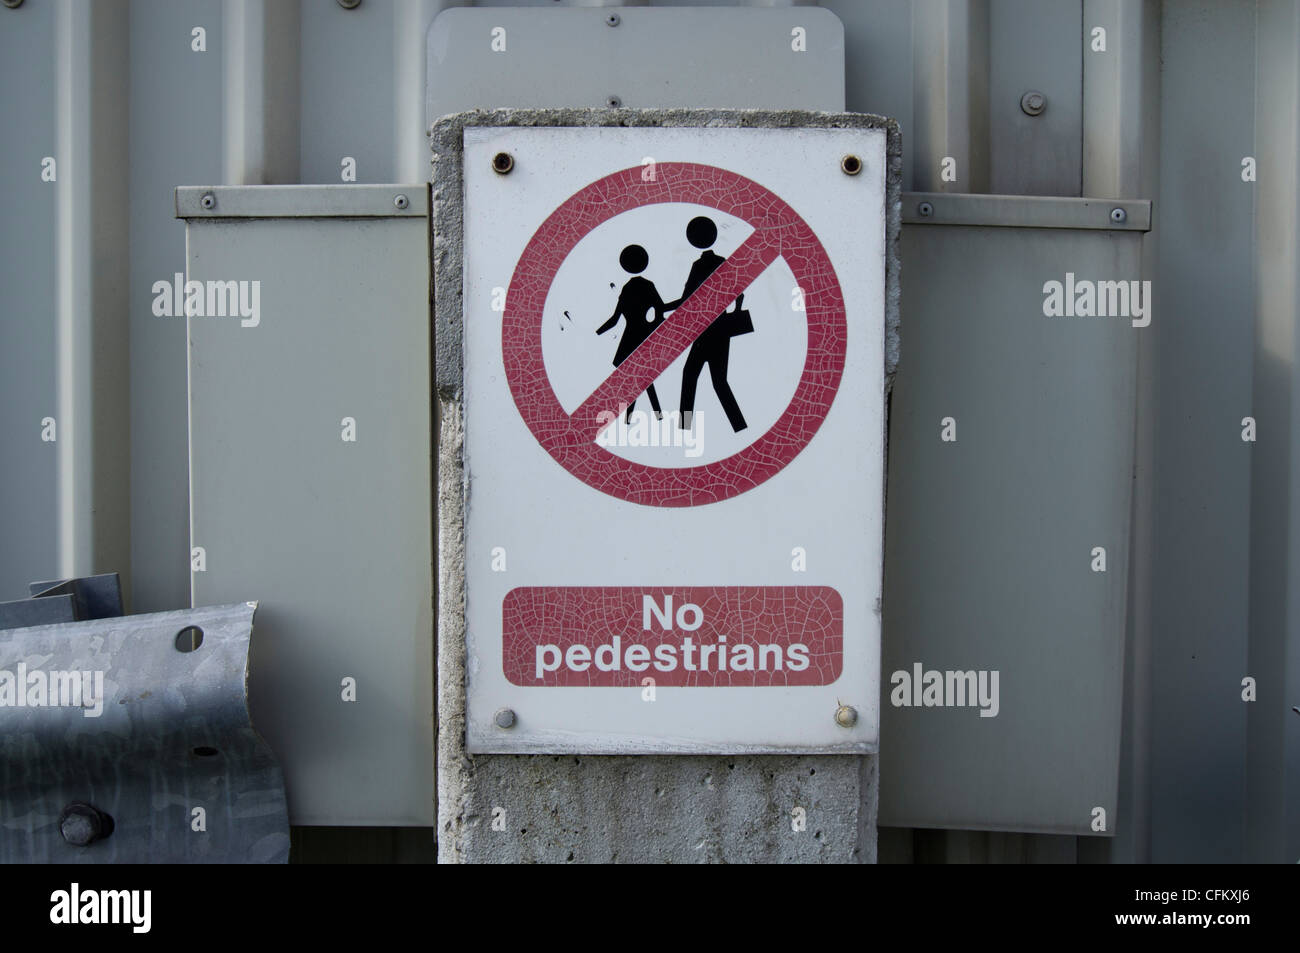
pixel 637 809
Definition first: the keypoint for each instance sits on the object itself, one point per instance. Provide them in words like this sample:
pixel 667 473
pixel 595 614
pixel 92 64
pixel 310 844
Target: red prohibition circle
pixel 778 232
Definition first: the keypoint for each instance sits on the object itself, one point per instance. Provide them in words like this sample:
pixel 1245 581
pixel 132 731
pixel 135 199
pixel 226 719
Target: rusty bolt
pixel 82 824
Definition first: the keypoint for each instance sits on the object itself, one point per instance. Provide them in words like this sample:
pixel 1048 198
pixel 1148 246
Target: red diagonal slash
pixel 678 332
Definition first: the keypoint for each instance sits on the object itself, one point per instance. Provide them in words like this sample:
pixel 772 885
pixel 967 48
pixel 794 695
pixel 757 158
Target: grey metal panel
pixel 989 539
pixel 49 610
pixel 1025 211
pixel 28 393
pixel 1121 156
pixel 332 537
pixel 731 58
pixel 348 90
pixel 176 135
pixel 1037 46
pixel 95 597
pixel 1273 779
pixel 1202 370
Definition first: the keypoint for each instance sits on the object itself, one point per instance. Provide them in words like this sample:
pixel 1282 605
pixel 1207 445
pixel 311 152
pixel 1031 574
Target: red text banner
pixel 689 636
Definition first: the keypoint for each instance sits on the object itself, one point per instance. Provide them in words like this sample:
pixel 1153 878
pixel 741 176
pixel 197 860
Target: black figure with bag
pixel 714 345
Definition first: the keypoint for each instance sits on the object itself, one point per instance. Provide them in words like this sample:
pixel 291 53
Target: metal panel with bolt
pixel 310 478
pixel 732 58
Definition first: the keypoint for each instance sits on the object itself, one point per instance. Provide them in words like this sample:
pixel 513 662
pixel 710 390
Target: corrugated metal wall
pixel 117 94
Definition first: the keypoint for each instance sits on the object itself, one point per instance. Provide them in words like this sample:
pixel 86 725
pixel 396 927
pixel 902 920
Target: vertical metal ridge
pixel 91 298
pixel 1273 731
pixel 1121 158
pixel 261 104
pixel 411 21
pixel 950 49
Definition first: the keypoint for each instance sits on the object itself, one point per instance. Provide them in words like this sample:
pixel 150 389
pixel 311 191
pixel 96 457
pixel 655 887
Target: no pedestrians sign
pixel 674 438
pixel 777 232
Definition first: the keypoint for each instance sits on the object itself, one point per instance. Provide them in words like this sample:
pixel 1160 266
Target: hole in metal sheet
pixel 189 638
pixel 204 751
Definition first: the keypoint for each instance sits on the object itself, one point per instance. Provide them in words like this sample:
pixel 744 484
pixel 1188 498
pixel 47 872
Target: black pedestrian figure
pixel 714 345
pixel 636 301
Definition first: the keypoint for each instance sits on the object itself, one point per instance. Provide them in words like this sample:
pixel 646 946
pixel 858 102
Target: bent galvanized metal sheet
pixel 143 719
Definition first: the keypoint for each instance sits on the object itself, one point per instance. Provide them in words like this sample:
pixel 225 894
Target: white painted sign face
pixel 674 434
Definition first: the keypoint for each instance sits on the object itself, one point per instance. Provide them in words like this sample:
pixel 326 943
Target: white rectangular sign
pixel 674 438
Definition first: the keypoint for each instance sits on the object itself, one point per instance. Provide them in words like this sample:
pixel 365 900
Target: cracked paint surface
pixel 778 232
pixel 730 616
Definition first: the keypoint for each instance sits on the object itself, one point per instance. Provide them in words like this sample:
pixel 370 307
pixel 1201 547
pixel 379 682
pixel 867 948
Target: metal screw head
pixel 614 102
pixel 208 200
pixel 505 718
pixel 925 210
pixel 79 829
pixel 846 716
pixel 1118 216
pixel 502 163
pixel 851 165
pixel 613 20
pixel 82 824
pixel 1033 103
pixel 401 201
